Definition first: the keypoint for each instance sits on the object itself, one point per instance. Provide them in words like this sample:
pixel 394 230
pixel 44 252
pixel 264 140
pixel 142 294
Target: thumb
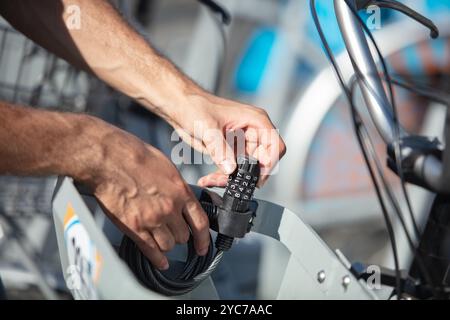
pixel 220 151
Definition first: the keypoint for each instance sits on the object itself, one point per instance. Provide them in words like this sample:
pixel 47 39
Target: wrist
pixel 172 95
pixel 84 147
pixel 100 152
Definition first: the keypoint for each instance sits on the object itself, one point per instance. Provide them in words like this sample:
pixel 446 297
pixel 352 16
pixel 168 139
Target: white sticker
pixel 85 261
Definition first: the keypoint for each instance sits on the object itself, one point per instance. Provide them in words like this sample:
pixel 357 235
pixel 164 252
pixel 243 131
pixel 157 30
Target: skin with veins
pixel 139 188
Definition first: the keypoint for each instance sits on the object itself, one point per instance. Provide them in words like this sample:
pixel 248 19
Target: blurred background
pixel 269 56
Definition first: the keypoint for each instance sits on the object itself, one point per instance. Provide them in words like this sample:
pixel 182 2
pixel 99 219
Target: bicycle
pixel 418 160
pixel 324 199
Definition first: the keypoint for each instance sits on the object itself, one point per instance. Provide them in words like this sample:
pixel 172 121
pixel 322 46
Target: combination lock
pixel 233 218
pixel 241 185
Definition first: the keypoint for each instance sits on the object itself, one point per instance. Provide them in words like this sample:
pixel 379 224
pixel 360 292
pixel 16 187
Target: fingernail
pixel 164 266
pixel 228 166
pixel 203 251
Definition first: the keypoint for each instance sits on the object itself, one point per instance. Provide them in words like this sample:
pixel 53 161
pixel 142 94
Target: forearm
pixel 137 186
pixel 108 47
pixel 36 142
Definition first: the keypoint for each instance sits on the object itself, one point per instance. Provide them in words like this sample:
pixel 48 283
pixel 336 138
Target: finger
pixel 265 163
pixel 179 228
pixel 198 222
pixel 216 179
pixel 219 150
pixel 270 165
pixel 251 140
pixel 275 151
pixel 257 143
pixel 164 238
pixel 269 151
pixel 193 142
pixel 150 249
pixel 144 240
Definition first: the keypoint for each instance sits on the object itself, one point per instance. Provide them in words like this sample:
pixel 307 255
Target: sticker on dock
pixel 85 262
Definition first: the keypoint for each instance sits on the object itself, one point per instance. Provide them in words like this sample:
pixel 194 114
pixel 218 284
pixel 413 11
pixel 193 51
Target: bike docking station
pixel 94 266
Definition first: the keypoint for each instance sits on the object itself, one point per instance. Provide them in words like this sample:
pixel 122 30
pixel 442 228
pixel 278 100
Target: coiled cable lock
pixel 231 216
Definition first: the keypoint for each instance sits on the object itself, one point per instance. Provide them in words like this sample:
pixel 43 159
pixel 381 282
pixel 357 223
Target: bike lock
pixel 231 216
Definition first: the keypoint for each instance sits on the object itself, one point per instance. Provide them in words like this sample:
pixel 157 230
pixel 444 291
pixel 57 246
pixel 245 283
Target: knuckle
pixel 203 223
pixel 192 205
pixel 168 207
pixel 212 151
pixel 211 134
pixel 184 192
pixel 145 240
pixel 167 244
pixel 262 112
pixel 183 237
pixel 179 184
pixel 154 219
pixel 138 155
pixel 132 220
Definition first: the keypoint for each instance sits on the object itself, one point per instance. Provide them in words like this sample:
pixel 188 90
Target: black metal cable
pixel 427 92
pixel 216 8
pixel 387 219
pixel 367 146
pixel 196 268
pixel 398 6
pixel 340 78
pixel 422 268
pixel 393 201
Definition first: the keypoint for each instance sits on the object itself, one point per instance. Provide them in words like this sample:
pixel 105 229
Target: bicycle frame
pixel 370 83
pixel 429 168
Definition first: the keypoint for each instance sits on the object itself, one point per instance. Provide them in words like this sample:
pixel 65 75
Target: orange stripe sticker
pixel 98 266
pixel 70 213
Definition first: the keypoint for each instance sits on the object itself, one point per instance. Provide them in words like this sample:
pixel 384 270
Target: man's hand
pixel 139 188
pixel 143 193
pixel 206 124
pixel 108 47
